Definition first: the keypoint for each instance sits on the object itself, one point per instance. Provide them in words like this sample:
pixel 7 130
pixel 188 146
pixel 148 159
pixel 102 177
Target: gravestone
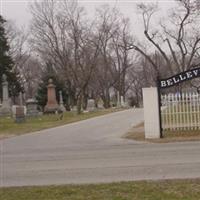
pixel 74 108
pixel 13 109
pixel 5 109
pixel 61 104
pixel 126 104
pixel 100 105
pixel 20 110
pixel 20 99
pixel 91 105
pixel 122 101
pixel 52 104
pixel 31 106
pixel 20 114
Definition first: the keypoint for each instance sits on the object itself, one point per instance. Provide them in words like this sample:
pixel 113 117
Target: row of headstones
pixel 17 111
pixel 52 106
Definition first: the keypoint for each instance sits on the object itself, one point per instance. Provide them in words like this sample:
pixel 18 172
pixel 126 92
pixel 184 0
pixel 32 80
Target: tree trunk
pixel 106 103
pixel 85 100
pixel 96 102
pixel 79 104
pixel 106 99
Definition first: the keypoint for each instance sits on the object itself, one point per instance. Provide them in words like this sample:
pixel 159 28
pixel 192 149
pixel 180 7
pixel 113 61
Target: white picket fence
pixel 181 111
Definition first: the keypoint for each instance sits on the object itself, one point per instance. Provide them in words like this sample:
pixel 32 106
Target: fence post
pixel 151 113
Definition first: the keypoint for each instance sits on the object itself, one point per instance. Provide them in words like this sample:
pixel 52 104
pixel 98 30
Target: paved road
pixel 92 151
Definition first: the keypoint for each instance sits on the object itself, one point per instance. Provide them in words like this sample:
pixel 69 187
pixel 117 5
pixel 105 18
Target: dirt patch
pixel 5 136
pixel 137 133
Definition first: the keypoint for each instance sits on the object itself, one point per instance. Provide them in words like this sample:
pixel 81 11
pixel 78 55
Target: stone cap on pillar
pixel 50 83
pixel 4 78
pixel 31 101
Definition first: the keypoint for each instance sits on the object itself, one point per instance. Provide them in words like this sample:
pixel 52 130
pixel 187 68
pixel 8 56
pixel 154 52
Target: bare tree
pixel 136 82
pixel 31 72
pixel 114 58
pixel 25 63
pixel 62 33
pixel 17 38
pixel 178 47
pixel 123 58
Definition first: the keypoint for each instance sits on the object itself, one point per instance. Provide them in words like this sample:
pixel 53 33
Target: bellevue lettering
pixel 188 75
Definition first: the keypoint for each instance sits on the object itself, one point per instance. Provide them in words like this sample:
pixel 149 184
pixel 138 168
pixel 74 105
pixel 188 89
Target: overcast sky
pixel 18 11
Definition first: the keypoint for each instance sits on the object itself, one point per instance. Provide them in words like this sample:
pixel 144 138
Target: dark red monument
pixel 52 104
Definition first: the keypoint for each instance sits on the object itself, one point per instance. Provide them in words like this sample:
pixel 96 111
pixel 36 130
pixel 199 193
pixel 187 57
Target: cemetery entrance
pixel 179 108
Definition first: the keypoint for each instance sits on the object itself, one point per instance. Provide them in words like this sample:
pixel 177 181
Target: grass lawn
pixel 9 128
pixel 137 133
pixel 143 190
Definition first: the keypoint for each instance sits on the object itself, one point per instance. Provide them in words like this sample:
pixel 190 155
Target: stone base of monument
pixel 52 109
pixel 14 108
pixel 20 114
pixel 5 111
pixel 32 110
pixel 91 105
pixel 62 108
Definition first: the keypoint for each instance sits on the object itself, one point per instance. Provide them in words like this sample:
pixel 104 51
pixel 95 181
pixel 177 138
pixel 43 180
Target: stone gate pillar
pixel 151 113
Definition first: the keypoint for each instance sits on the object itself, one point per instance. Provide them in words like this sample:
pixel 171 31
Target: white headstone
pixel 91 105
pixel 61 104
pixel 31 106
pixel 5 108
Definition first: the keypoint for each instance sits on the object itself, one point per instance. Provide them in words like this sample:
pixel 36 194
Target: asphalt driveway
pixel 92 151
